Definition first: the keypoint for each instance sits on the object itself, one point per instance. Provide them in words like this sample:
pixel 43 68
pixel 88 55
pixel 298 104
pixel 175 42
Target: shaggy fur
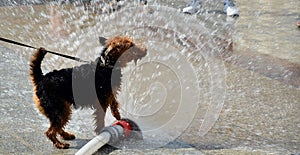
pixel 88 85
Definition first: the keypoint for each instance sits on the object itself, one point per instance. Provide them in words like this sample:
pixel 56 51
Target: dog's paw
pixel 60 145
pixel 68 136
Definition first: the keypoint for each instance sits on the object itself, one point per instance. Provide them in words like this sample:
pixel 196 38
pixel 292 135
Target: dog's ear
pixel 102 41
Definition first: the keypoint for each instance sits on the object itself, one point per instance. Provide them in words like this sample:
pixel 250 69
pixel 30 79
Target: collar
pixel 104 59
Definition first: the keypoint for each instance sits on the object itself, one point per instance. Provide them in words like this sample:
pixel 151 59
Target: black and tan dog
pixel 88 85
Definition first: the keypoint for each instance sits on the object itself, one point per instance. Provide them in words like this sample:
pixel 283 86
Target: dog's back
pixel 55 83
pixel 80 86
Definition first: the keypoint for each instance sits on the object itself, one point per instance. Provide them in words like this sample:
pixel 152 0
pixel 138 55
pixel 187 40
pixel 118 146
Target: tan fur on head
pixel 118 44
pixel 123 50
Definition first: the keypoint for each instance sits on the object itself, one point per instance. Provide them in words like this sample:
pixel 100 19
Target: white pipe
pixel 93 145
pixel 100 140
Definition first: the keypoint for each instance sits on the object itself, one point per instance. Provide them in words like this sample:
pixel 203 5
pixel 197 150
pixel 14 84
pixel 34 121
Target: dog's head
pixel 120 50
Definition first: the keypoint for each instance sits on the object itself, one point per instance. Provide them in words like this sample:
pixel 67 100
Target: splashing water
pixel 177 90
pixel 162 93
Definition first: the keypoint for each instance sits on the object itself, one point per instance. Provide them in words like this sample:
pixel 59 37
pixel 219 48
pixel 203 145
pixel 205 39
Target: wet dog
pixel 94 85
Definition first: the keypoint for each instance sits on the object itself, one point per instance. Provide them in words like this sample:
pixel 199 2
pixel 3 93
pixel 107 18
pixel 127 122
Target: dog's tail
pixel 36 73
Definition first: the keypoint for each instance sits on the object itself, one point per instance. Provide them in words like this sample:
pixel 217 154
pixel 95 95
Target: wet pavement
pixel 260 114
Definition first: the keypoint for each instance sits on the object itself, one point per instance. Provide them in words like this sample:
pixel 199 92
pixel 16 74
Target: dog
pixel 94 85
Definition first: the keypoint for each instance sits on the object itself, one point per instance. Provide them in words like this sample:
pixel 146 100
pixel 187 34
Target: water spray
pixel 120 130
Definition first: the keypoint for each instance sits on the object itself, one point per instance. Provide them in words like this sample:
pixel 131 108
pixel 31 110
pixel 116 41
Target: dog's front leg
pixel 114 106
pixel 99 115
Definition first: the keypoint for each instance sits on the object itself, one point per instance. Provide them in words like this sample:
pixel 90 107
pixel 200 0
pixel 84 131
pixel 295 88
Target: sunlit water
pixel 178 86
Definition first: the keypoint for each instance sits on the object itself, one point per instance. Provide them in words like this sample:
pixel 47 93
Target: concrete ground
pixel 260 115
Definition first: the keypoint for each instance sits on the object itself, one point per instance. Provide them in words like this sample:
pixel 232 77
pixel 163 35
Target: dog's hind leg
pixel 65 120
pixel 51 134
pixel 58 116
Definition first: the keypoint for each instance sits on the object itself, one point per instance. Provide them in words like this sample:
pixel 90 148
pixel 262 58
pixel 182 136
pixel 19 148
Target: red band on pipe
pixel 125 125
